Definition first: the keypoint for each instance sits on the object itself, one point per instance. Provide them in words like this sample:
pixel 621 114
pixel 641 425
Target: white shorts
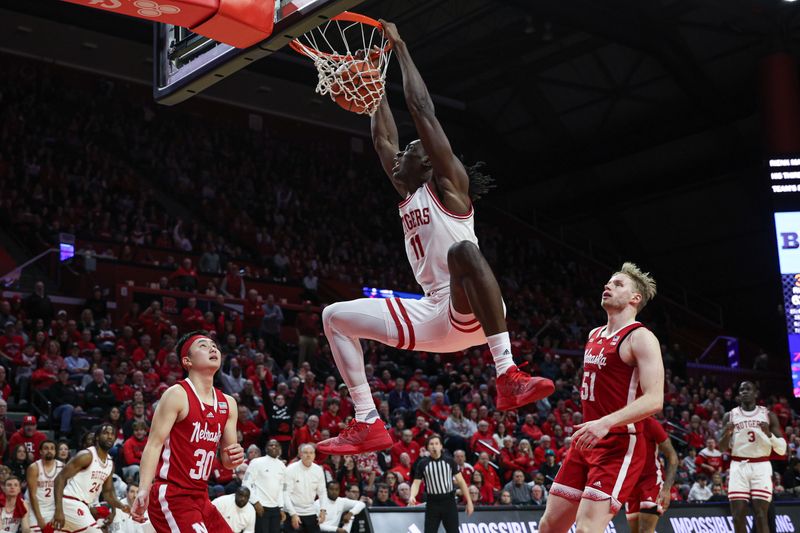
pixel 47 515
pixel 750 480
pixel 430 324
pixel 77 517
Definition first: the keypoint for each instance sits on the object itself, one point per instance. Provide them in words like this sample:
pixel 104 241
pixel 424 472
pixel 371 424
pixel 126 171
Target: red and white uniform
pixel 430 324
pixel 83 492
pixel 8 522
pixel 45 493
pixel 609 470
pixel 651 480
pixel 179 495
pixel 751 471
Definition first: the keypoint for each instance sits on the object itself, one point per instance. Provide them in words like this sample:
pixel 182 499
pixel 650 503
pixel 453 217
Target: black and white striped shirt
pixel 437 473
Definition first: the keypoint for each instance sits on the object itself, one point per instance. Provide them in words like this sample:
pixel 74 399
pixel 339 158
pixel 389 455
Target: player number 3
pixel 587 387
pixel 204 464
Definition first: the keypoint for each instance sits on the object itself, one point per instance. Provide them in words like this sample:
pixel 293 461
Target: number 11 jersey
pixel 189 451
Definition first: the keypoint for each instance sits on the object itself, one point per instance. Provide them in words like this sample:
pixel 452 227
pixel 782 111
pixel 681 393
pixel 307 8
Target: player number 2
pixel 587 387
pixel 204 464
pixel 416 245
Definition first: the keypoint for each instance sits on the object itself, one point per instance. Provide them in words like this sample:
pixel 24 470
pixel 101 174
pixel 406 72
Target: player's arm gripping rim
pixel 449 174
pixel 32 477
pixel 645 350
pixel 81 461
pixel 671 462
pixel 231 452
pixel 169 408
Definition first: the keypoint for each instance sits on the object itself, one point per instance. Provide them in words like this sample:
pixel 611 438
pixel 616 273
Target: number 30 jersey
pixel 189 451
pixel 430 230
pixel 609 384
pixel 749 441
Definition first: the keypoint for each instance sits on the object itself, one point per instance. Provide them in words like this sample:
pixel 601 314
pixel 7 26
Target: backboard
pixel 186 63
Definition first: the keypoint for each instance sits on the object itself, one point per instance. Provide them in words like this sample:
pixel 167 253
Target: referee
pixel 438 473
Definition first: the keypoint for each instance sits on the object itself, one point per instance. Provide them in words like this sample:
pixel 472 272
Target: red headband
pixel 188 344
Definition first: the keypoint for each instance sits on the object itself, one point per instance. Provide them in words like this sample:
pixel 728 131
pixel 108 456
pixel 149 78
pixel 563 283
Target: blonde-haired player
pixel 752 433
pixel 623 383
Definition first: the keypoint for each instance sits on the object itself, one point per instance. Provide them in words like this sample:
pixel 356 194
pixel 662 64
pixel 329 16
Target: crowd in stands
pixel 98 167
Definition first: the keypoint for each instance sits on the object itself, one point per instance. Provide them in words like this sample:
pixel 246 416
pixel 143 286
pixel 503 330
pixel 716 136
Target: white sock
pixel 364 404
pixel 500 346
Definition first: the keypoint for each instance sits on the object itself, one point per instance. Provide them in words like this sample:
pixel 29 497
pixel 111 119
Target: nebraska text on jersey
pixel 205 434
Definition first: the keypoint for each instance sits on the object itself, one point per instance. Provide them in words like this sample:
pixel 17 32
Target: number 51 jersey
pixel 189 451
pixel 609 384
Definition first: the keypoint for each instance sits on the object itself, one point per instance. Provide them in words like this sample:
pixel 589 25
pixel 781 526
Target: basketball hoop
pixel 351 55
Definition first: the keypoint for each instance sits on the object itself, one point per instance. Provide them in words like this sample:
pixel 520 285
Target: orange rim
pixel 346 16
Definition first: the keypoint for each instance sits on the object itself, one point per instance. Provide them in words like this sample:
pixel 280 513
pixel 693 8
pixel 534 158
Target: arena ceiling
pixel 631 124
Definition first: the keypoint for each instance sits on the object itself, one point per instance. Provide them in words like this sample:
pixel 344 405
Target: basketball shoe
pixel 357 437
pixel 516 388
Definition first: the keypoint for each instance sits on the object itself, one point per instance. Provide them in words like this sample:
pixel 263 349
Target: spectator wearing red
pixel 482 440
pixel 140 352
pixel 421 431
pixel 185 277
pixel 330 419
pixel 42 378
pixel 710 461
pixel 85 345
pixel 308 433
pixel 253 312
pixel 28 436
pixel 525 458
pixel 245 426
pixel 11 343
pixel 545 443
pixel 232 284
pixel 406 445
pixel 346 407
pixel 191 316
pixel 486 491
pixel 154 323
pixel 127 340
pixel 460 457
pixel 132 450
pixel 122 391
pixel 403 468
pixel 490 476
pixel 171 368
pixel 440 409
pixel 530 429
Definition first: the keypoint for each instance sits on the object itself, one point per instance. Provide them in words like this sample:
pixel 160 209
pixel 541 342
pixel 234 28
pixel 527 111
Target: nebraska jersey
pixel 45 488
pixel 430 230
pixel 749 441
pixel 609 384
pixel 654 435
pixel 190 449
pixel 87 484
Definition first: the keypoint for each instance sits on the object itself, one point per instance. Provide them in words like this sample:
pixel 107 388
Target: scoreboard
pixel 784 181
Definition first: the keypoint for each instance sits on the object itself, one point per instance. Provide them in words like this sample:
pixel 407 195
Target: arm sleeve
pixel 778 444
pixel 251 520
pixel 247 482
pixel 419 469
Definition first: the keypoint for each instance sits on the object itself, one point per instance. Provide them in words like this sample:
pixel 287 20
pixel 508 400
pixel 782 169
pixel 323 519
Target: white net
pixel 351 59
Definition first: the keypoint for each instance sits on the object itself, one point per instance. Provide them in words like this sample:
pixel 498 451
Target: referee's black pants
pixel 441 510
pixel 270 521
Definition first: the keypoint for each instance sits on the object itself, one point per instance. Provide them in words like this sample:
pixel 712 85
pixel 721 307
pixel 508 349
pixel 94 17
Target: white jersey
pixel 87 484
pixel 749 441
pixel 430 230
pixel 8 523
pixel 45 489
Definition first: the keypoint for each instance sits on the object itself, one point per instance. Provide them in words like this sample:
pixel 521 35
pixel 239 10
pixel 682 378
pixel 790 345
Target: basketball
pixel 357 86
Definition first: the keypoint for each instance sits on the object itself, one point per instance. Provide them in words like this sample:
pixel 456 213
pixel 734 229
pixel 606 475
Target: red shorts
pixel 609 471
pixel 645 494
pixel 173 509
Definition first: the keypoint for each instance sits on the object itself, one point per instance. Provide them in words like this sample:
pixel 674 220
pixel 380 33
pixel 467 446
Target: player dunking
pixel 79 484
pixel 41 477
pixel 752 433
pixel 623 383
pixel 462 306
pixel 651 497
pixel 191 420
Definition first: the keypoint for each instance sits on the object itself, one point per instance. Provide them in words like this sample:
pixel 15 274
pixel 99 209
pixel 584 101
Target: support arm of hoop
pixel 239 23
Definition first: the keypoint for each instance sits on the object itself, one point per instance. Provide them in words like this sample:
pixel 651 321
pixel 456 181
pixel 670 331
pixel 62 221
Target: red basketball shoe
pixel 357 437
pixel 516 388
